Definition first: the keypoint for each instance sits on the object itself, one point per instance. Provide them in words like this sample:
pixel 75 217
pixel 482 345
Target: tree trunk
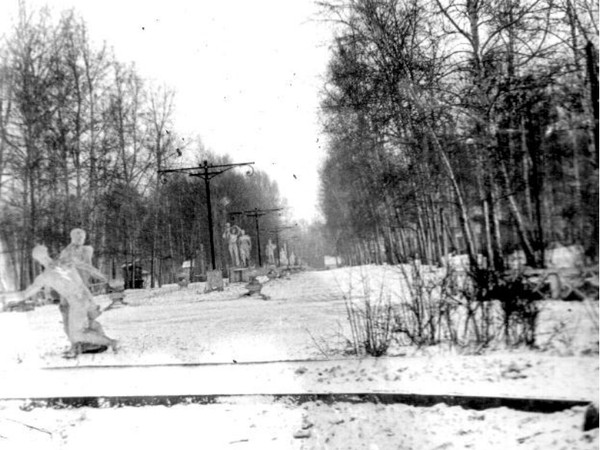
pixel 591 54
pixel 521 230
pixel 496 233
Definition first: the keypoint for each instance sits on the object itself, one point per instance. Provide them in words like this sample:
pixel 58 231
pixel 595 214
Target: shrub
pixel 471 309
pixel 428 315
pixel 371 319
pixel 518 302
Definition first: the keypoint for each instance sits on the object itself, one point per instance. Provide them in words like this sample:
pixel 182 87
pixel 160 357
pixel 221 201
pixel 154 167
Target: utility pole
pixel 256 213
pixel 207 172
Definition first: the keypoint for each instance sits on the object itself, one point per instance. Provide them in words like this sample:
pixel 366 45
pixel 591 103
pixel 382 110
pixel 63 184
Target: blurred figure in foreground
pixel 81 325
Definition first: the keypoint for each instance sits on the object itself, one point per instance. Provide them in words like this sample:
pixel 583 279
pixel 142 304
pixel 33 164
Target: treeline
pixel 82 138
pixel 461 126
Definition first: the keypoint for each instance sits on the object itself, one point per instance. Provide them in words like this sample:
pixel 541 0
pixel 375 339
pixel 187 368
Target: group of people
pixel 70 277
pixel 239 245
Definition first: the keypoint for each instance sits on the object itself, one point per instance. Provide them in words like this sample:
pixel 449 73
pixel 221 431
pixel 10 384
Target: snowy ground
pixel 304 319
pixel 267 424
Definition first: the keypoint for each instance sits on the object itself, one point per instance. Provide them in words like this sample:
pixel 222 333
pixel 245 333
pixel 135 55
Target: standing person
pixel 271 252
pixel 231 234
pixel 64 278
pixel 245 245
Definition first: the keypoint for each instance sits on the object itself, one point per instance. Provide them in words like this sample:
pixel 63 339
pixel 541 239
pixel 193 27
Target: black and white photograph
pixel 299 224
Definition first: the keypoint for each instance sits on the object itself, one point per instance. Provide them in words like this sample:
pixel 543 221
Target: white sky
pixel 247 75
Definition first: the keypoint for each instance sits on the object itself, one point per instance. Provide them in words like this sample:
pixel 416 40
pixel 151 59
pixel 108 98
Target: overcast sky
pixel 247 75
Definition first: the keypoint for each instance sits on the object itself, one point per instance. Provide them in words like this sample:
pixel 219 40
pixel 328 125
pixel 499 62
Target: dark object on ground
pixel 302 434
pixel 590 420
pixel 93 348
pixel 272 273
pixel 254 288
pixel 133 274
pixel 85 348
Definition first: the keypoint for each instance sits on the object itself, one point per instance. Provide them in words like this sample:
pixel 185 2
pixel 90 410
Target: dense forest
pixel 82 138
pixel 468 127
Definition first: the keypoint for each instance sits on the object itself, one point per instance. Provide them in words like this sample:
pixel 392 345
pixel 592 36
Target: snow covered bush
pixel 371 318
pixel 470 309
pixel 424 305
pixel 427 314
